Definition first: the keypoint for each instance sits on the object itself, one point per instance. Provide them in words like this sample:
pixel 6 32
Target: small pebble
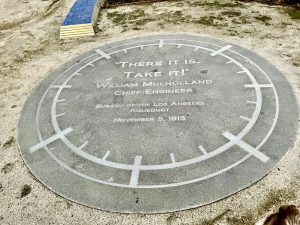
pixel 26 189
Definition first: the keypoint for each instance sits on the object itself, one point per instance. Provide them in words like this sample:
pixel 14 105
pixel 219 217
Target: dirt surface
pixel 294 3
pixel 30 49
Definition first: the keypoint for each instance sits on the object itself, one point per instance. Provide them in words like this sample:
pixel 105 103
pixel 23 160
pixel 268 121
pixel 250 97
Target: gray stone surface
pixel 158 124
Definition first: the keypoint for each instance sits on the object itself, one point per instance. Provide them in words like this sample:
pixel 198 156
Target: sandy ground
pixel 30 49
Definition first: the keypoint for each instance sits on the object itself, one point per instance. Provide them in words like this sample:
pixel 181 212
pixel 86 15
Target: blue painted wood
pixel 81 12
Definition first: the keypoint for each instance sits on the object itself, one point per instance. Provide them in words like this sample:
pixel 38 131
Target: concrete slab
pixel 158 124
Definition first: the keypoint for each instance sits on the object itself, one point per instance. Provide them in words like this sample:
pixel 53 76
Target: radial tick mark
pixel 135 171
pixel 258 85
pixel 220 50
pixel 106 155
pixel 50 139
pixel 172 158
pixel 251 102
pixel 61 86
pixel 62 114
pixel 245 118
pixel 161 43
pixel 83 145
pixel 103 54
pixel 202 149
pixel 248 148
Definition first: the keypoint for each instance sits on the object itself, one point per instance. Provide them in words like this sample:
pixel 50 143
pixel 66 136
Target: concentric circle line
pixel 269 133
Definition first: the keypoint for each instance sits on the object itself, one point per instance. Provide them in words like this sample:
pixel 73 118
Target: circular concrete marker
pixel 158 124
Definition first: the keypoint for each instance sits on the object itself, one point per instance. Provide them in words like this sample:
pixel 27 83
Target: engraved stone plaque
pixel 158 124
